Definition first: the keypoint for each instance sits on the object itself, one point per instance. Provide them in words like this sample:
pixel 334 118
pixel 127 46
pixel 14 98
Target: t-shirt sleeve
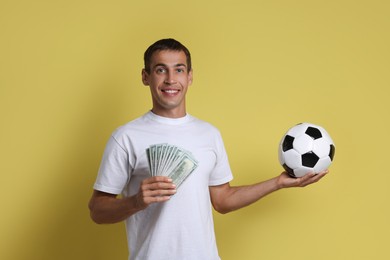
pixel 114 170
pixel 222 172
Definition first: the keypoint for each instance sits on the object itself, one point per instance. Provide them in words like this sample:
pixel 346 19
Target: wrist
pixel 278 183
pixel 133 204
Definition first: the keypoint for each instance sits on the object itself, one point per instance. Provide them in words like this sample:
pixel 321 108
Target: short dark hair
pixel 166 44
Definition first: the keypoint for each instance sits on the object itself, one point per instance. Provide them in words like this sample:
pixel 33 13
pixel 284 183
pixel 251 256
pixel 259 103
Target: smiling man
pixel 168 77
pixel 164 221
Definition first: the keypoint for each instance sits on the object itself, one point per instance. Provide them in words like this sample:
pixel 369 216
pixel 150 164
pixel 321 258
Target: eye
pixel 161 70
pixel 180 70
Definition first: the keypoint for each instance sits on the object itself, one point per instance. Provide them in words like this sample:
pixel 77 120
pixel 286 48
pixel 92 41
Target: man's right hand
pixel 108 208
pixel 155 189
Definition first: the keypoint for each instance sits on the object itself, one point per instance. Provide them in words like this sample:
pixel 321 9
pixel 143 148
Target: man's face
pixel 168 80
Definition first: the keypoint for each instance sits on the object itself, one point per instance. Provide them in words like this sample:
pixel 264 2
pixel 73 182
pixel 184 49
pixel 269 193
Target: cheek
pixel 154 83
pixel 186 81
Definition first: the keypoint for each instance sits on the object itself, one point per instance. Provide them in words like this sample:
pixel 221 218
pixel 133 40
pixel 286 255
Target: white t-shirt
pixel 181 228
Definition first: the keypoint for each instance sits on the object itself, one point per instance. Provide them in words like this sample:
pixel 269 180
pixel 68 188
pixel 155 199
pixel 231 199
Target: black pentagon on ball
pixel 289 171
pixel 332 151
pixel 313 132
pixel 309 159
pixel 287 143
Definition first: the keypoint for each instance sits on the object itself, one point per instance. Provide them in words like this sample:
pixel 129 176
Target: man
pixel 163 222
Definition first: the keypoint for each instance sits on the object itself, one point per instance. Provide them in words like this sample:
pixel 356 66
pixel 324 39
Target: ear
pixel 145 77
pixel 190 74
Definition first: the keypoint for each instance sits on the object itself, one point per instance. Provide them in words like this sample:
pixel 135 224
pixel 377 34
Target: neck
pixel 170 113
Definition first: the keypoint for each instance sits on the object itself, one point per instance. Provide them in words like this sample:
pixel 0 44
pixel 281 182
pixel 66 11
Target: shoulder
pixel 128 129
pixel 204 129
pixel 204 125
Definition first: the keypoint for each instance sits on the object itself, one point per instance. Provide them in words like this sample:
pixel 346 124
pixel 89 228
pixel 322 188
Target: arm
pixel 226 198
pixel 107 208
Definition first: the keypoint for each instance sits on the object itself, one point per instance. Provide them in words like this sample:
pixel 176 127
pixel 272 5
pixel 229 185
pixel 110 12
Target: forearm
pixel 234 198
pixel 226 198
pixel 246 195
pixel 107 210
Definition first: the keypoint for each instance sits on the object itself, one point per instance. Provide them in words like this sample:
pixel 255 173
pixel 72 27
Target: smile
pixel 170 91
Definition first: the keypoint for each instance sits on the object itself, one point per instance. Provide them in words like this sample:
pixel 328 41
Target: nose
pixel 170 78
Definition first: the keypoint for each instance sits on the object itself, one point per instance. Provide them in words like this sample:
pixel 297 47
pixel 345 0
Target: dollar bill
pixel 172 161
pixel 183 170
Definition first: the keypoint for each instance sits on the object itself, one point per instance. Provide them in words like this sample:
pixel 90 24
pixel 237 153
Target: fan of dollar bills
pixel 172 161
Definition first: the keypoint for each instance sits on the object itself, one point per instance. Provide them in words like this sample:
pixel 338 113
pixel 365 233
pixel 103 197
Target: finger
pixel 313 177
pixel 304 179
pixel 144 201
pixel 319 176
pixel 323 173
pixel 308 176
pixel 158 193
pixel 151 200
pixel 150 197
pixel 158 186
pixel 157 179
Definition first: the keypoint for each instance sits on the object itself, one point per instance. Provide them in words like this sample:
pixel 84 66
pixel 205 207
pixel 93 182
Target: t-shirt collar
pixel 167 120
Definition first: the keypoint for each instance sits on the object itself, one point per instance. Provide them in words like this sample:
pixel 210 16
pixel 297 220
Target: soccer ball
pixel 306 148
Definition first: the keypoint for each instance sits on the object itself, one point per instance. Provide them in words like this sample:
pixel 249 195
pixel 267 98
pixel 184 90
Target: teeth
pixel 170 91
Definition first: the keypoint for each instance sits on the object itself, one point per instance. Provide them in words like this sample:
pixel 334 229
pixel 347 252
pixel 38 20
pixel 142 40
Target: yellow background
pixel 70 74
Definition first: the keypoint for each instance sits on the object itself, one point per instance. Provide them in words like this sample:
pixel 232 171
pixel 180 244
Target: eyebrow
pixel 164 65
